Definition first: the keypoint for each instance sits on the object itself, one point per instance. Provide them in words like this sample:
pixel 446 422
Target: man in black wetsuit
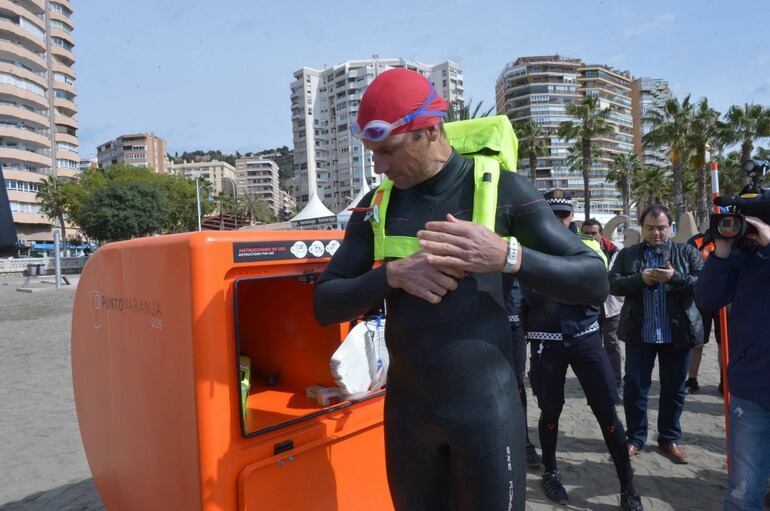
pixel 454 431
pixel 563 336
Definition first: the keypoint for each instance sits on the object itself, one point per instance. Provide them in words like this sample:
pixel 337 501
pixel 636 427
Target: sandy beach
pixel 44 467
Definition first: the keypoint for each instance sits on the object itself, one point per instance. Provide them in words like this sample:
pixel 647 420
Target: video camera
pixel 753 200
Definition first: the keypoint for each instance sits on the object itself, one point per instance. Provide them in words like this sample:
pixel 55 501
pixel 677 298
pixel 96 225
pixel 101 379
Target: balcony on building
pixel 21 31
pixel 62 53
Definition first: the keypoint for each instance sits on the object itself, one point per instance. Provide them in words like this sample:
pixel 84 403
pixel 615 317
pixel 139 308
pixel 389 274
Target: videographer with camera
pixel 738 272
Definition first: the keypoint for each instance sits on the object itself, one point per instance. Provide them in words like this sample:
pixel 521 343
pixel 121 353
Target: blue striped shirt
pixel 655 327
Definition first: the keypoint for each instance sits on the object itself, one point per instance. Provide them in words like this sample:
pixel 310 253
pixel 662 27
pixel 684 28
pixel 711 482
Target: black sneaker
pixel 533 458
pixel 630 501
pixel 692 385
pixel 554 490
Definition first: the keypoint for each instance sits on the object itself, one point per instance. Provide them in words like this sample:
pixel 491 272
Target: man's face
pixel 565 217
pixel 402 158
pixel 656 229
pixel 593 230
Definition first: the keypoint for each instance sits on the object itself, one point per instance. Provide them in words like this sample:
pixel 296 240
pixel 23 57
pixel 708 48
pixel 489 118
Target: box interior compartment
pixel 287 348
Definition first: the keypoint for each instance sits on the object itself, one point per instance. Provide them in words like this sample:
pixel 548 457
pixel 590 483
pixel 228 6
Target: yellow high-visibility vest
pixel 492 144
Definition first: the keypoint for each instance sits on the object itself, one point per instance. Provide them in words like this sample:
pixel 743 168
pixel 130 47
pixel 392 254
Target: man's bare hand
pixel 648 276
pixel 465 246
pixel 763 231
pixel 663 274
pixel 418 277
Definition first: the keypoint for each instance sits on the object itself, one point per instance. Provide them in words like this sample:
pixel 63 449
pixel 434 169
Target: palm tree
pixel 671 127
pixel 689 190
pixel 745 125
pixel 591 123
pixel 575 156
pixel 53 201
pixel 467 111
pixel 705 133
pixel 223 205
pixel 254 208
pixel 531 144
pixel 622 170
pixel 648 184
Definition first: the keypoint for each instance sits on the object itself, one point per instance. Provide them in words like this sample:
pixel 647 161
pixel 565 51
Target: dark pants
pixel 612 345
pixel 708 317
pixel 673 363
pixel 589 362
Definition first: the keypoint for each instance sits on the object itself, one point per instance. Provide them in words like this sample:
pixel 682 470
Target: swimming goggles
pixel 377 131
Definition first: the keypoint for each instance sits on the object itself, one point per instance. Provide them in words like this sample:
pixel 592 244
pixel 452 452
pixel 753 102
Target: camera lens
pixel 729 226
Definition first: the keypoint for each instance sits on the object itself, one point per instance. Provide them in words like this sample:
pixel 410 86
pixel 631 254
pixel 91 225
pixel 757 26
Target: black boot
pixel 692 385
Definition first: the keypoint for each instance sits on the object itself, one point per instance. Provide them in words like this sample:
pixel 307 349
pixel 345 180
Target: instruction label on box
pixel 250 251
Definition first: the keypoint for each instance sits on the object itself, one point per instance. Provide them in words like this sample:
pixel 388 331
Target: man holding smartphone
pixel 658 319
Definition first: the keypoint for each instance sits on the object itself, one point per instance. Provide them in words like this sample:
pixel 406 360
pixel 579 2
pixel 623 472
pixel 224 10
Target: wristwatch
pixel 512 256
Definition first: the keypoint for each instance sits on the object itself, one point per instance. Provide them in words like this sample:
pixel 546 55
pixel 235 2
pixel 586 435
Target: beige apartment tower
pixel 219 174
pixel 613 89
pixel 259 176
pixel 540 88
pixel 38 126
pixel 137 150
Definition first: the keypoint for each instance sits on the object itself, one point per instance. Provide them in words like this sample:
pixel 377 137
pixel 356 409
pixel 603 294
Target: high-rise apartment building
pixel 613 88
pixel 648 94
pixel 447 78
pixel 540 88
pixel 259 176
pixel 38 126
pixel 220 174
pixel 288 206
pixel 137 150
pixel 324 102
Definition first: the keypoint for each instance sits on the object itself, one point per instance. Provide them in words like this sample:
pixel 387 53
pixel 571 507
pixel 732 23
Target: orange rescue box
pixel 159 328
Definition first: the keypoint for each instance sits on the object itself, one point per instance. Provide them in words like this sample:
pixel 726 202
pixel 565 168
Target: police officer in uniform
pixel 564 335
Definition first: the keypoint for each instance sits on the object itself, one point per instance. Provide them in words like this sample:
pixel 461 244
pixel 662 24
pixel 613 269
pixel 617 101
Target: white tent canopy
pixel 313 215
pixel 313 209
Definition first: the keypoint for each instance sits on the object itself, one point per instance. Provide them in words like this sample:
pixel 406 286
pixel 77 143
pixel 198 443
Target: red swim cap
pixel 396 93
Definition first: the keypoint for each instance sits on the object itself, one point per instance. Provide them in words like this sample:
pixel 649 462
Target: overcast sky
pixel 216 74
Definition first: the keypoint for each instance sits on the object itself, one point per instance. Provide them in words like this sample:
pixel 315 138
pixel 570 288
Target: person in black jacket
pixel 740 275
pixel 658 319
